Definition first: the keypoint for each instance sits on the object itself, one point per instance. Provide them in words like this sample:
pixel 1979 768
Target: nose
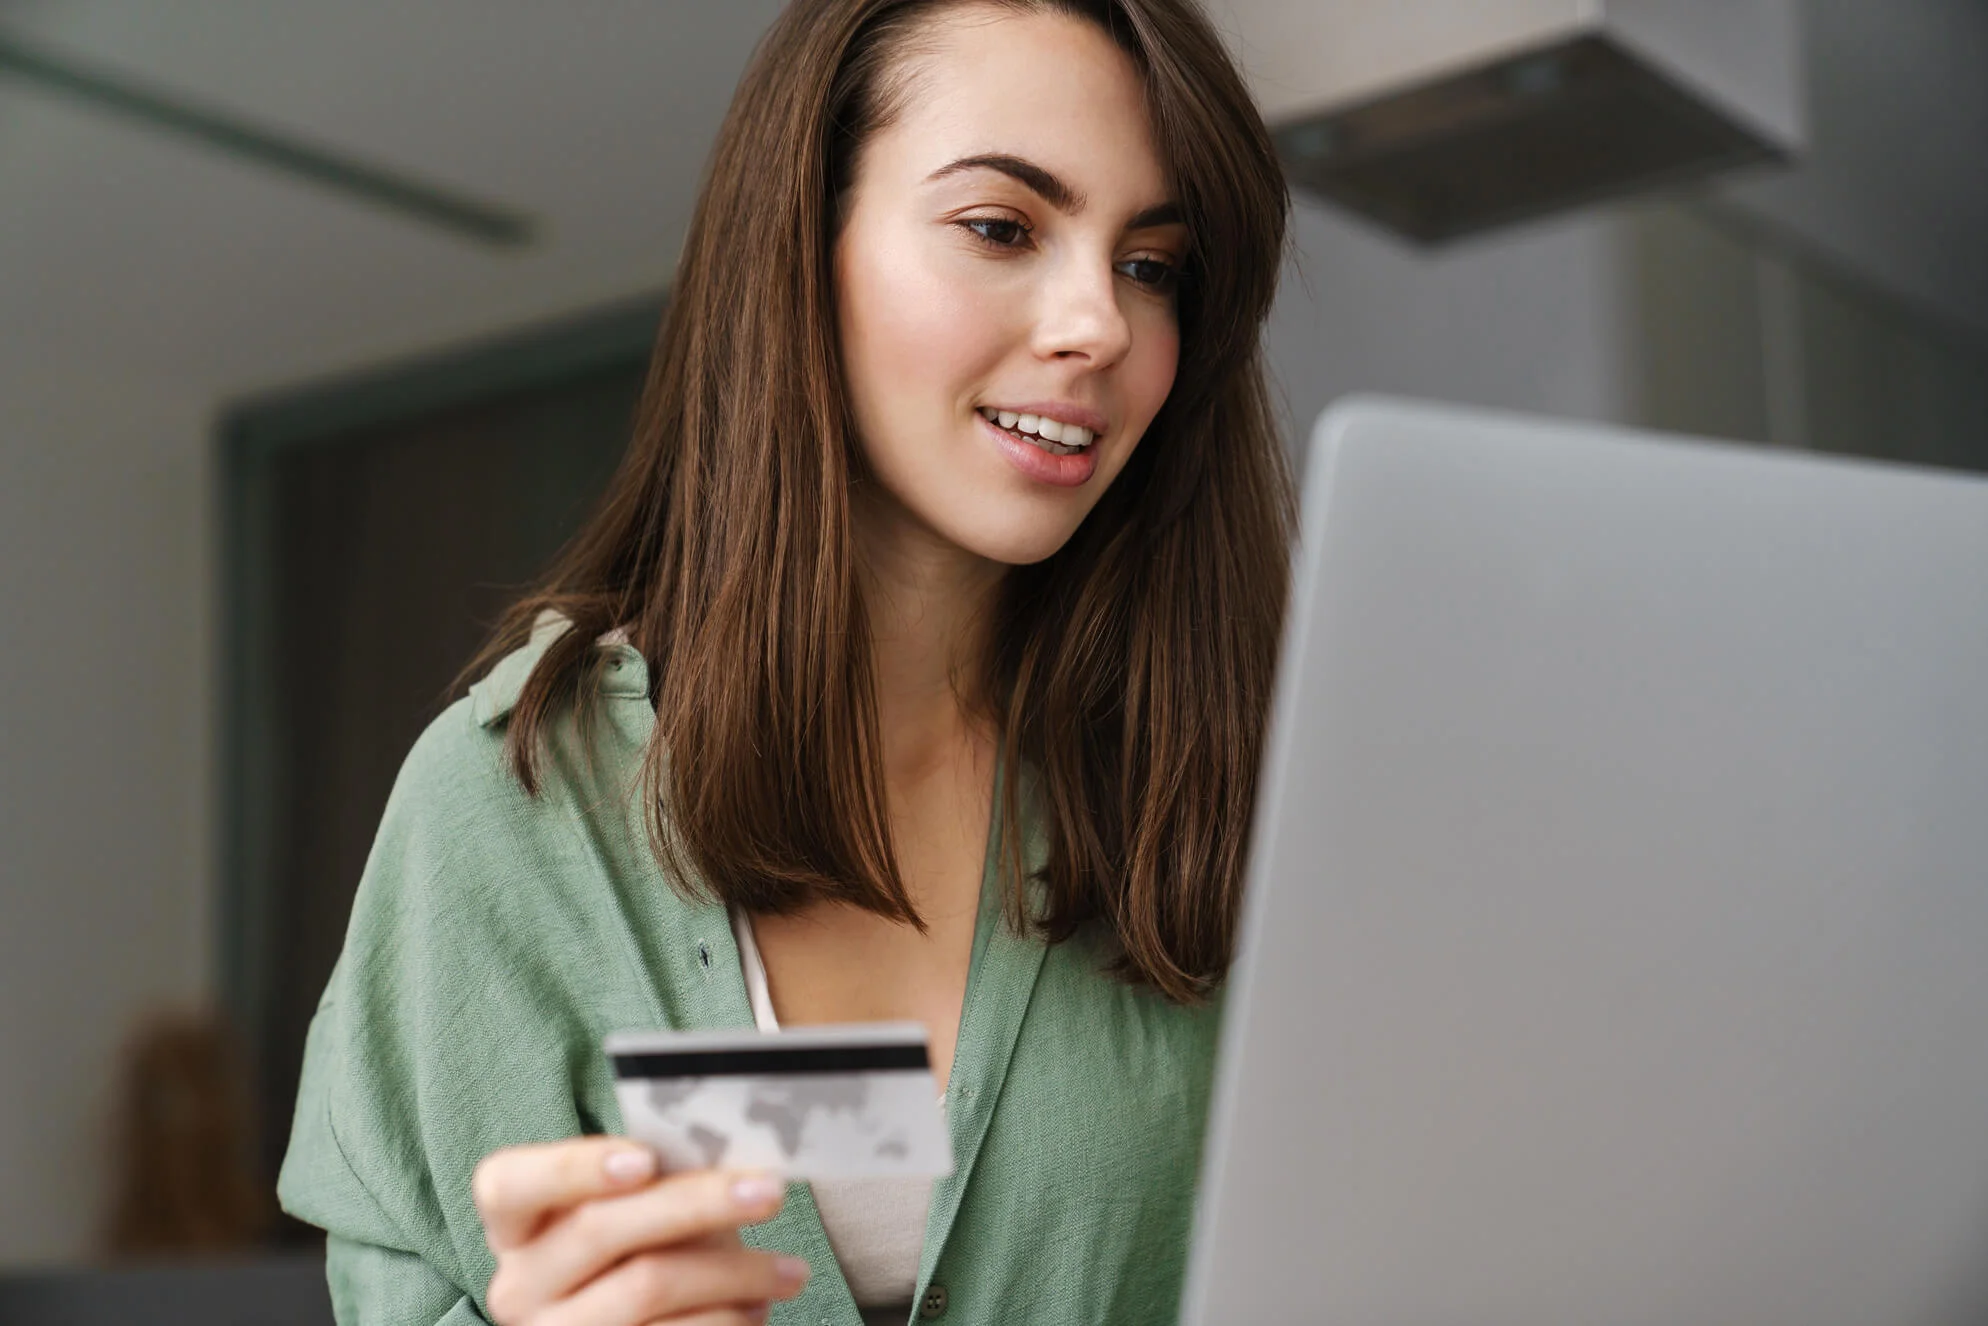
pixel 1079 316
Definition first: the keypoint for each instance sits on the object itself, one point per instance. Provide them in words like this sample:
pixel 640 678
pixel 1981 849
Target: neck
pixel 930 604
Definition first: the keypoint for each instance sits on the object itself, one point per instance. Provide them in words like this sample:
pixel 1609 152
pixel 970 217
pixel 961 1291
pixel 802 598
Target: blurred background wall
pixel 147 280
pixel 150 283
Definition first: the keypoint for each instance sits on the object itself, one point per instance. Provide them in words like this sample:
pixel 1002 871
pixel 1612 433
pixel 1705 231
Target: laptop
pixel 1616 946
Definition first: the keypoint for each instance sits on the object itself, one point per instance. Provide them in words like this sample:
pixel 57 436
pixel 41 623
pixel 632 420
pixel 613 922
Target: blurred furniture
pixel 184 1144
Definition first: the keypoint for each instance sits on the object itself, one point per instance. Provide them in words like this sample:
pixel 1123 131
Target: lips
pixel 1056 436
pixel 1045 462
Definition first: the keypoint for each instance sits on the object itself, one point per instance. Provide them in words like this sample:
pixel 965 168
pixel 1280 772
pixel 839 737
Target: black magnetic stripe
pixel 771 1060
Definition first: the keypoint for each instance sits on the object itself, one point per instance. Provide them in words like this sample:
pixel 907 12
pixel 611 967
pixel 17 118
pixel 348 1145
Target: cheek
pixel 1149 370
pixel 908 321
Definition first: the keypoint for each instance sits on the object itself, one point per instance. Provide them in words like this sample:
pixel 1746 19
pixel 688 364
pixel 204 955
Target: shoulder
pixel 457 799
pixel 475 880
pixel 489 947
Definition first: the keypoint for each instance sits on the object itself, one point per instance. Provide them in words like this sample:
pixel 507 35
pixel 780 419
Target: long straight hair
pixel 1131 669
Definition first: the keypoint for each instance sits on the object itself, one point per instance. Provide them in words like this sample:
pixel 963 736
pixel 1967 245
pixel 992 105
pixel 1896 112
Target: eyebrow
pixel 1051 189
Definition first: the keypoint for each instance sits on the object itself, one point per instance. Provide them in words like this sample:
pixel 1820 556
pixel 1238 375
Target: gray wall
pixel 1895 184
pixel 106 715
pixel 144 281
pixel 1525 319
pixel 1737 334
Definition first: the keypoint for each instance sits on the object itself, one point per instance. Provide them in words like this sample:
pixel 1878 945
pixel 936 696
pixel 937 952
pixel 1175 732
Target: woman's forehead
pixel 1046 87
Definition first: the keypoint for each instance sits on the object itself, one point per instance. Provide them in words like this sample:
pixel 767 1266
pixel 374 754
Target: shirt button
pixel 933 1305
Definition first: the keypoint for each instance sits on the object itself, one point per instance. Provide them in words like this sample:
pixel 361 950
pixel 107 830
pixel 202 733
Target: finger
pixel 671 1284
pixel 517 1188
pixel 684 1209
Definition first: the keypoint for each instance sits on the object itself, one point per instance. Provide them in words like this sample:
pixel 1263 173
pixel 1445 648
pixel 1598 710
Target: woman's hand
pixel 587 1234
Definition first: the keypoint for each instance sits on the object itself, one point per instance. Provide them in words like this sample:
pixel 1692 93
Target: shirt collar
pixel 492 699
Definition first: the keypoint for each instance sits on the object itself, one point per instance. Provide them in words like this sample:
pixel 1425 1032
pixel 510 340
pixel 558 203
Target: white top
pixel 875 1226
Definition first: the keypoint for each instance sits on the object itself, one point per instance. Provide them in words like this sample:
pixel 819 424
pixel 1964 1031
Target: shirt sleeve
pixel 372 1284
pixel 385 1251
pixel 444 1033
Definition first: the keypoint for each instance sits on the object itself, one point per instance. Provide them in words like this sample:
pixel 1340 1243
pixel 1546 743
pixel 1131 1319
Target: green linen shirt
pixel 496 938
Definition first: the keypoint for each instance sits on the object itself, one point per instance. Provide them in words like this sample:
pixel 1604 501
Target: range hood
pixel 1439 118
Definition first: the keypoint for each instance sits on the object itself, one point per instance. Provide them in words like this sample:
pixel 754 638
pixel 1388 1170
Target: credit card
pixel 834 1102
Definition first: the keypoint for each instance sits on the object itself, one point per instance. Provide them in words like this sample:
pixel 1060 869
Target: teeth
pixel 1059 437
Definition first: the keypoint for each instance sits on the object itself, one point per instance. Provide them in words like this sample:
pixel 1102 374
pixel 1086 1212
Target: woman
pixel 915 667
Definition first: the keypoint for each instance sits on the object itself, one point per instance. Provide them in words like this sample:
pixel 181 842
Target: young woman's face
pixel 1008 249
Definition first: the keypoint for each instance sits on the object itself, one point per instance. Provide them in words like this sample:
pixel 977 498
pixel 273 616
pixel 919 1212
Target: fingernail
pixel 757 1190
pixel 791 1270
pixel 757 1316
pixel 630 1164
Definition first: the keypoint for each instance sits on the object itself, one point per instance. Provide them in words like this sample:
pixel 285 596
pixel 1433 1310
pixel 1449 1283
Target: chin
pixel 1020 541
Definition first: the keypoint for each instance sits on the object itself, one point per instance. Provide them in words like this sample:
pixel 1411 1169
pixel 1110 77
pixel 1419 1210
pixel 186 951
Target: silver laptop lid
pixel 1617 943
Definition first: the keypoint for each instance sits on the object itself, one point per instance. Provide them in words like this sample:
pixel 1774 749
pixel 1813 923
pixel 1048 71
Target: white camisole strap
pixel 875 1226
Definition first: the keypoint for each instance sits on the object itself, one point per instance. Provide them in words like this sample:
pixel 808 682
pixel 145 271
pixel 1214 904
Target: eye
pixel 1158 276
pixel 999 231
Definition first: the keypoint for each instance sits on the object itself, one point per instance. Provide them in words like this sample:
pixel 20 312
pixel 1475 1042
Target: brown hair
pixel 1132 669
